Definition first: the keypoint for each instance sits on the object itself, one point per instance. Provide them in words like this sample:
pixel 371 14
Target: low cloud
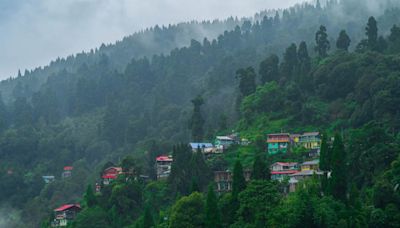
pixel 35 32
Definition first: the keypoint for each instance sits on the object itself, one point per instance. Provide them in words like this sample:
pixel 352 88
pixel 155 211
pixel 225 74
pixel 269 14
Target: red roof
pixel 67 206
pixel 164 158
pixel 109 176
pixel 285 172
pixel 68 168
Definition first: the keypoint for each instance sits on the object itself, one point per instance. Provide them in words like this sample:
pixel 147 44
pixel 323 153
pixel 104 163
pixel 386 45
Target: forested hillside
pixel 329 67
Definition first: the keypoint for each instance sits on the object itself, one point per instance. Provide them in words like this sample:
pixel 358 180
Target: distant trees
pixel 247 81
pixel 343 41
pixel 269 69
pixel 290 62
pixel 197 121
pixel 321 39
pixel 372 33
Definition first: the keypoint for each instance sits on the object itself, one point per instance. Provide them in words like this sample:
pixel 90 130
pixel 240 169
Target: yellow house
pixel 310 140
pixel 310 165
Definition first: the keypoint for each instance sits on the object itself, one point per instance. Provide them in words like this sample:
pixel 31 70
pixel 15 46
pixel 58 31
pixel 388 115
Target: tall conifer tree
pixel 213 217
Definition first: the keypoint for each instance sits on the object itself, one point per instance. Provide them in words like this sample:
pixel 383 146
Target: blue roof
pixel 201 145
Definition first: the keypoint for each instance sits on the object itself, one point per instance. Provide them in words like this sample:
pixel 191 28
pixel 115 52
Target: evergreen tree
pixel 194 185
pixel 304 59
pixel 321 39
pixel 394 39
pixel 269 69
pixel 3 114
pixel 89 197
pixel 343 41
pixel 197 120
pixel 199 171
pixel 179 180
pixel 213 218
pixel 290 62
pixel 247 84
pixel 238 182
pixel 325 159
pixel 148 221
pixel 372 33
pixel 338 183
pixel 259 165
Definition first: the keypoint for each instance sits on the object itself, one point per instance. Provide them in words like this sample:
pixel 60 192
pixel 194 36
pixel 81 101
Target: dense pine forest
pixel 332 67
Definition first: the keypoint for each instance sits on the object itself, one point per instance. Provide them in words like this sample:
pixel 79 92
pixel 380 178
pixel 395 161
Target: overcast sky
pixel 34 32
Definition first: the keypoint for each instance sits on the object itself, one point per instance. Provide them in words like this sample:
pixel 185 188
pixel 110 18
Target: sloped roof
pixel 164 158
pixel 285 163
pixel 313 162
pixel 67 207
pixel 227 138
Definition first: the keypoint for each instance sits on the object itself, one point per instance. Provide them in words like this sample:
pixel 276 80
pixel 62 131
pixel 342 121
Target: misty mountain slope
pixel 149 42
pixel 92 110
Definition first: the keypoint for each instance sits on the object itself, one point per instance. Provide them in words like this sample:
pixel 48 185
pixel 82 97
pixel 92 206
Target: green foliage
pixel 321 39
pixel 269 69
pixel 247 84
pixel 148 221
pixel 188 212
pixel 197 121
pixel 343 41
pixel 89 197
pixel 92 217
pixel 257 202
pixel 213 217
pixel 238 181
pixel 338 181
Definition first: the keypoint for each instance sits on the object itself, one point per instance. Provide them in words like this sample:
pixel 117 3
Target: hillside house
pixel 278 143
pixel 225 141
pixel 310 140
pixel 204 147
pixel 310 165
pixel 281 170
pixel 223 180
pixel 48 179
pixel 67 172
pixel 111 174
pixel 65 214
pixel 163 166
pixel 308 170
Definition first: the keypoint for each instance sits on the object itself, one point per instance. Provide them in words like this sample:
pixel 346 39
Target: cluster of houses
pixel 292 172
pixel 283 142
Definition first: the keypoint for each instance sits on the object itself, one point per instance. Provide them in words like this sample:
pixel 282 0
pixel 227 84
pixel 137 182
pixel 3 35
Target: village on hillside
pixel 289 173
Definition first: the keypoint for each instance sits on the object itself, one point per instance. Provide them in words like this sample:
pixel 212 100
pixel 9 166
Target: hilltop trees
pixel 321 39
pixel 343 41
pixel 269 69
pixel 372 33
